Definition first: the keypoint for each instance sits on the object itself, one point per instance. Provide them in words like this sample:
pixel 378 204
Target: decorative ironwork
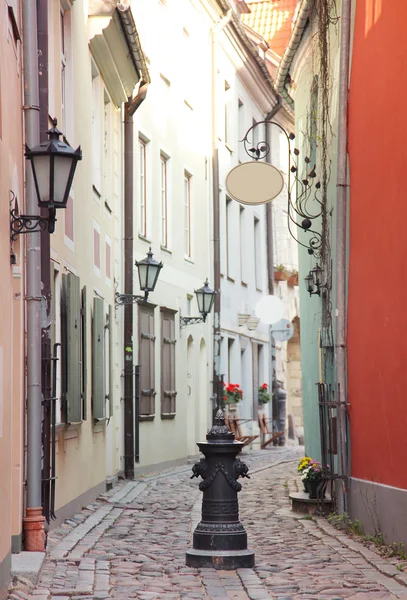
pixel 122 299
pixel 300 212
pixel 20 224
pixel 184 321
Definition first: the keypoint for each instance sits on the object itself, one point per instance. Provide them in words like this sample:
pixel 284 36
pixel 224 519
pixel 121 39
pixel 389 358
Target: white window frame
pixel 164 199
pixel 187 215
pixel 142 176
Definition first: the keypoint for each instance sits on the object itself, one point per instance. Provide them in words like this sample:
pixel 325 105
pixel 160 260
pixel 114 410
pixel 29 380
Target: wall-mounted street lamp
pixel 313 281
pixel 148 273
pixel 205 298
pixel 53 166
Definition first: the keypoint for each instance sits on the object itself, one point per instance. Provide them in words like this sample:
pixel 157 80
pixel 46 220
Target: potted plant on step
pixel 302 465
pixel 263 395
pixel 232 394
pixel 313 476
pixel 280 273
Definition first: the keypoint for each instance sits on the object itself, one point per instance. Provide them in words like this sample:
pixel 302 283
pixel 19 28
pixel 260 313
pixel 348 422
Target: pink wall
pixel 11 292
pixel 377 331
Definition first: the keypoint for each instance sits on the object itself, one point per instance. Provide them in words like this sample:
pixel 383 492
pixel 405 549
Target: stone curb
pixel 376 561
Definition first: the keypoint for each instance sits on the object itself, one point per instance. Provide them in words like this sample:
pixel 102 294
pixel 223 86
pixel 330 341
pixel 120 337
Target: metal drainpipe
pixel 130 108
pixel 216 377
pixel 340 256
pixel 33 523
pixel 42 40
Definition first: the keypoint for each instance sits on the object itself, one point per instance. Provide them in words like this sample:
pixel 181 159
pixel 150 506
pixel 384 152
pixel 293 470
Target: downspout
pixel 294 41
pixel 270 270
pixel 216 377
pixel 130 108
pixel 340 255
pixel 42 40
pixel 33 522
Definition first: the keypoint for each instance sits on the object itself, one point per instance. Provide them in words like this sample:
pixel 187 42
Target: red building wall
pixel 377 324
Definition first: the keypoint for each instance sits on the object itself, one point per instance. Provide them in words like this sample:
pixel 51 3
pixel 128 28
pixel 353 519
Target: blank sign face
pixel 254 183
pixel 269 309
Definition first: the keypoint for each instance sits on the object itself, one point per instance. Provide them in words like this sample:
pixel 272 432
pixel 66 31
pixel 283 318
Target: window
pixel 257 254
pixel 69 220
pixel 228 115
pixel 107 149
pixel 63 66
pixel 55 277
pixel 142 187
pixel 229 235
pixel 108 259
pixel 242 131
pixel 187 215
pixel 66 75
pixel 164 201
pixel 146 361
pixel 96 126
pixel 230 358
pixel 242 244
pixel 168 341
pixel 96 248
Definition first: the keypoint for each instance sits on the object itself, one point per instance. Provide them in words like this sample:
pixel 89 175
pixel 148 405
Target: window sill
pixel 146 418
pixel 165 249
pixel 228 148
pixel 189 260
pixel 96 191
pixel 230 279
pixel 143 238
pixel 167 416
pixel 259 290
pixel 244 284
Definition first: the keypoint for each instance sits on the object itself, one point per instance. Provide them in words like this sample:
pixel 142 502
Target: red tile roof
pixel 272 19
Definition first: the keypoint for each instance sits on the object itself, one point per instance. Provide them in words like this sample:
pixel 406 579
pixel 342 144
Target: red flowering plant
pixel 263 395
pixel 232 393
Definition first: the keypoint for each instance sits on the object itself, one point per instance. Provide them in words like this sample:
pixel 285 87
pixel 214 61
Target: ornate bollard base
pixel 220 540
pixel 227 560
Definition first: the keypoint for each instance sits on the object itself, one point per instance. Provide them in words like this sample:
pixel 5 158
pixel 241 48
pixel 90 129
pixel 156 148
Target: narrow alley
pixel 131 543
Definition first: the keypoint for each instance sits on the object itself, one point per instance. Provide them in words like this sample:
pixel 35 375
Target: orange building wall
pixel 377 326
pixel 11 297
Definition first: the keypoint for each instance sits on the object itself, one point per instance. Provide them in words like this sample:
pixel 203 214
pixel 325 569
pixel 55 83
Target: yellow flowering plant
pixel 303 464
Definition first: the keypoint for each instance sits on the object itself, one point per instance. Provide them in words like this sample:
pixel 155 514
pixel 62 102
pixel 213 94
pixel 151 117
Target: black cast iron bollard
pixel 220 540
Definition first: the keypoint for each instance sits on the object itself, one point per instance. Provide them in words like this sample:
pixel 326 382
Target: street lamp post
pixel 148 273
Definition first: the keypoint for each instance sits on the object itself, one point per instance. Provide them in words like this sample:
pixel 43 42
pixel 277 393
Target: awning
pixel 116 48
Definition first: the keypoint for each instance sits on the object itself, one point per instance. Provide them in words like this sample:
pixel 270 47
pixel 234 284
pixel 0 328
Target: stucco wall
pixel 377 379
pixel 11 297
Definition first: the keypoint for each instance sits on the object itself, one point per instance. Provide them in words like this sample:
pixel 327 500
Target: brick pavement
pixel 131 543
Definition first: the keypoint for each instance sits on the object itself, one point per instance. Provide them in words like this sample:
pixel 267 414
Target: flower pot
pixel 313 489
pixel 305 485
pixel 293 280
pixel 280 276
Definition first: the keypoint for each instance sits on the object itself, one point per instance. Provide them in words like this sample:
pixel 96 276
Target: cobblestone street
pixel 131 543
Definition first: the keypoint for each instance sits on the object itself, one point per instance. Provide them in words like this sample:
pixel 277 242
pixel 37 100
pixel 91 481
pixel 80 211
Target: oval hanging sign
pixel 254 182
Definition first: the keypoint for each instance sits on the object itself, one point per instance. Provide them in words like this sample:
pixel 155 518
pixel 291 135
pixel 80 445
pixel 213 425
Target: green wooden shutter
pixel 111 387
pixel 84 355
pixel 147 361
pixel 98 360
pixel 73 327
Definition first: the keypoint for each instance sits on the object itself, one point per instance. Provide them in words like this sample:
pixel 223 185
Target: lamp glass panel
pixel 142 275
pixel 200 301
pixel 208 301
pixel 41 167
pixel 152 275
pixel 62 171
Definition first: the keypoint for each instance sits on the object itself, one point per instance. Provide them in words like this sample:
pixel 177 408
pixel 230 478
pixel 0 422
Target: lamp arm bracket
pixel 20 224
pixel 123 299
pixel 184 321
